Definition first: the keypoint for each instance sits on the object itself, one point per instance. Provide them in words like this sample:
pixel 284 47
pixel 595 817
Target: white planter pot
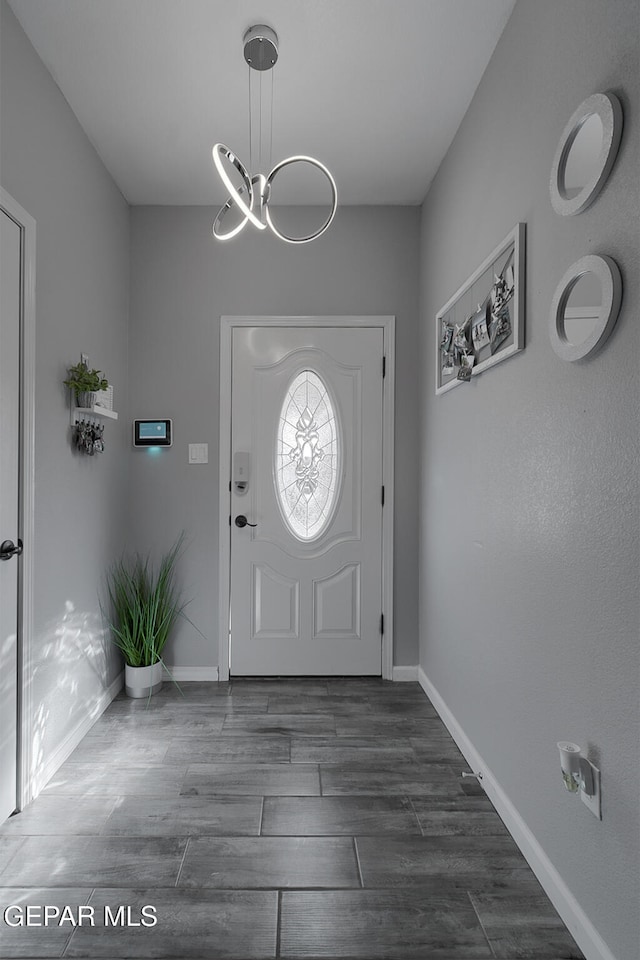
pixel 86 399
pixel 143 681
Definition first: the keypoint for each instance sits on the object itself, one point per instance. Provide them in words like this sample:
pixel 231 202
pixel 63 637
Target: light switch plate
pixel 594 802
pixel 198 453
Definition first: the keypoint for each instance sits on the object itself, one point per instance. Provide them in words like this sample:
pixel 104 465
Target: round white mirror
pixel 585 153
pixel 585 307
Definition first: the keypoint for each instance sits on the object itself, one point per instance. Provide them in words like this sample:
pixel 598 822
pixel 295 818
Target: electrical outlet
pixel 593 801
pixel 84 358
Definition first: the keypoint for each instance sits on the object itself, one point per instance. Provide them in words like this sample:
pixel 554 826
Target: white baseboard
pixel 192 673
pixel 41 777
pixel 572 914
pixel 405 674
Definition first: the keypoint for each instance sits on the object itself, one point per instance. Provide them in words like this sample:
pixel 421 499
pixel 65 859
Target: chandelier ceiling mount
pixel 261 47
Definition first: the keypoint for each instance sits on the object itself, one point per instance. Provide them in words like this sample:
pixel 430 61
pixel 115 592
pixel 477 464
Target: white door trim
pixel 27 484
pixel 227 324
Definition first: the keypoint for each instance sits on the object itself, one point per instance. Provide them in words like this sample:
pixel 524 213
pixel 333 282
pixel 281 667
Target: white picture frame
pixel 472 317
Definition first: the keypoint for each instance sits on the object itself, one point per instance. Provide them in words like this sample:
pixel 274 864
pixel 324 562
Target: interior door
pixel 306 568
pixel 10 286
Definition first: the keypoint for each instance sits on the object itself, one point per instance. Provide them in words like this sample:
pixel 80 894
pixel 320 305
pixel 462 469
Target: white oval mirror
pixel 585 307
pixel 585 154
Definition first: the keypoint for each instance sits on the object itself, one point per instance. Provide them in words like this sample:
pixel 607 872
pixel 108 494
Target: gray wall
pixel 182 283
pixel 82 285
pixel 529 550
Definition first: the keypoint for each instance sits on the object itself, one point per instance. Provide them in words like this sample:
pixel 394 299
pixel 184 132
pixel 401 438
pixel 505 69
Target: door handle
pixel 8 549
pixel 241 521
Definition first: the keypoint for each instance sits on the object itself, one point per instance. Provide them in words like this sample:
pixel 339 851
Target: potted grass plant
pixel 144 605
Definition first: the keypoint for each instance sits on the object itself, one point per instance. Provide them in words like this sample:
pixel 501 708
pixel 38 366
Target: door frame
pixel 26 493
pixel 227 325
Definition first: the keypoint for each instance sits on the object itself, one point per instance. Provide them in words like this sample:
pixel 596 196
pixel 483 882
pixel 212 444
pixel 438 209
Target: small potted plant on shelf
pixel 144 605
pixel 85 383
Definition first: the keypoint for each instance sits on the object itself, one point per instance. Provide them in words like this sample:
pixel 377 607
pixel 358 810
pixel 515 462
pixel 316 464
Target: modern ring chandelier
pixel 251 199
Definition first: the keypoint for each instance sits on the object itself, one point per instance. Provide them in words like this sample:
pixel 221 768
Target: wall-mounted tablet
pixel 152 433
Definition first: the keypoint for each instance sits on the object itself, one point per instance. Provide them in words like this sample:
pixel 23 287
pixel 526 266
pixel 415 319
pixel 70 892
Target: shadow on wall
pixel 66 685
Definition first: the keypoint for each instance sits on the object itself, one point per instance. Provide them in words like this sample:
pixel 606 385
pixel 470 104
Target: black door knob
pixel 241 521
pixel 8 549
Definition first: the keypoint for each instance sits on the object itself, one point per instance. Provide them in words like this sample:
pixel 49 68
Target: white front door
pixel 306 451
pixel 10 287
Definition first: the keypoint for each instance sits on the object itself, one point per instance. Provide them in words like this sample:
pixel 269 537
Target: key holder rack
pixel 87 427
pixel 88 437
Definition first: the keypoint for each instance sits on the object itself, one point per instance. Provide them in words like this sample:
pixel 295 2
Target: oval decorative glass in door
pixel 307 464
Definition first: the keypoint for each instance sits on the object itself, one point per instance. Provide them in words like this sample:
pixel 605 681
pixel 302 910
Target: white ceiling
pixel 376 89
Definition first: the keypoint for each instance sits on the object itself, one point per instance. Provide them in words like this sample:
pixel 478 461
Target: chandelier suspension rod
pixel 250 122
pixel 260 120
pixel 271 121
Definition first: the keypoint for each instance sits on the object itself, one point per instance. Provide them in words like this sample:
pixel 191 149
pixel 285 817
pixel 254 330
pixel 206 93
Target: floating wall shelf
pixel 86 413
pixel 94 411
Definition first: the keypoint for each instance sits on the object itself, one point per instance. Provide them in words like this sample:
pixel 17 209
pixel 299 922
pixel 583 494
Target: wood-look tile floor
pixel 273 818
